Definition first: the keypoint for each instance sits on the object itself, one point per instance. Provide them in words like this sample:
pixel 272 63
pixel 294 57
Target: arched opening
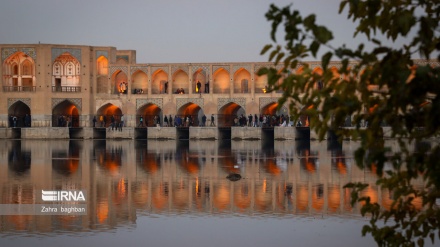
pixel 119 82
pixel 241 81
pixel 221 81
pixel 275 116
pixel 102 68
pixel 66 73
pixel 159 82
pixel 228 113
pixel 102 65
pixel 19 115
pixel 181 82
pixel 260 84
pixel 65 114
pixel 200 76
pixel 108 111
pixel 139 82
pixel 150 114
pixel 19 73
pixel 191 114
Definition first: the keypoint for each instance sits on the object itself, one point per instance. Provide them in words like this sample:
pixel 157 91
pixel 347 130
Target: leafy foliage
pixel 374 87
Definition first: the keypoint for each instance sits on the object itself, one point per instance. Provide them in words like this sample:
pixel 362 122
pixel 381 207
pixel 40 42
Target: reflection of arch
pixel 227 114
pixel 139 191
pixel 334 198
pixel 108 110
pixel 221 81
pixel 271 167
pixel 180 195
pixel 20 110
pixel 193 110
pixel 318 197
pixel 149 162
pixel 65 114
pixel 302 197
pixel 19 160
pixel 242 196
pixel 263 196
pixel 221 196
pixel 148 112
pixel 241 81
pixel 65 167
pixel 160 195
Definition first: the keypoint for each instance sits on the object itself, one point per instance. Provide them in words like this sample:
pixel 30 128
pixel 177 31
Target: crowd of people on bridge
pixel 262 120
pixel 19 121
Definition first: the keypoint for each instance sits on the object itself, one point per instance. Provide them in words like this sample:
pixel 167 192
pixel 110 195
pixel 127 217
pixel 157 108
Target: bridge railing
pixel 19 88
pixel 66 89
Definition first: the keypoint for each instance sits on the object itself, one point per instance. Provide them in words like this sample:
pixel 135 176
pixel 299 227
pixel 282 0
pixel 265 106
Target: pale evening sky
pixel 166 31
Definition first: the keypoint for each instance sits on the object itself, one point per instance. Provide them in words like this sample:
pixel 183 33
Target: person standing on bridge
pixel 141 122
pixel 212 120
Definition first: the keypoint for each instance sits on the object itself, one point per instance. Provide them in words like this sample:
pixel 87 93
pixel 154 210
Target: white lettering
pixel 48 209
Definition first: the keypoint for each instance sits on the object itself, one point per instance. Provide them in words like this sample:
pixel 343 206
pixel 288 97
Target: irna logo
pixel 62 195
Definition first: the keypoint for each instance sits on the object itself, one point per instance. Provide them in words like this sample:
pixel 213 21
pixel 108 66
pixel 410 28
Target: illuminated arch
pixel 148 112
pixel 102 65
pixel 242 81
pixel 228 113
pixel 159 78
pixel 119 82
pixel 66 71
pixel 19 71
pixel 193 110
pixel 200 76
pixel 221 81
pixel 181 81
pixel 272 109
pixel 65 114
pixel 139 82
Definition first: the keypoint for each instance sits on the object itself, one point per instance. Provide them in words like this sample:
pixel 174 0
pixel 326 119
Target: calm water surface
pixel 176 193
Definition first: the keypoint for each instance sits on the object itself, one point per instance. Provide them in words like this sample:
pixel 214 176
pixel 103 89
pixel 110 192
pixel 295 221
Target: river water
pixel 177 193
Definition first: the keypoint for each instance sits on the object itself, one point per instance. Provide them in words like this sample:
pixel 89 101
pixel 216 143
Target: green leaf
pixel 314 48
pixel 326 60
pixel 265 49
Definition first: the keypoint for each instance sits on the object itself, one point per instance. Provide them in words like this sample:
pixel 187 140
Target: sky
pixel 162 31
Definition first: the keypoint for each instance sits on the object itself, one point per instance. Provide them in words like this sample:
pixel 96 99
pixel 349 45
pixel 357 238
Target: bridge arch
pixel 228 113
pixel 181 81
pixel 19 72
pixel 139 82
pixel 108 110
pixel 191 110
pixel 148 112
pixel 159 80
pixel 19 110
pixel 65 114
pixel 242 80
pixel 221 81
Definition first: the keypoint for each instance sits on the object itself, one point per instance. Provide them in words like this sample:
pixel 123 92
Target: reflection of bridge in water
pixel 123 178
